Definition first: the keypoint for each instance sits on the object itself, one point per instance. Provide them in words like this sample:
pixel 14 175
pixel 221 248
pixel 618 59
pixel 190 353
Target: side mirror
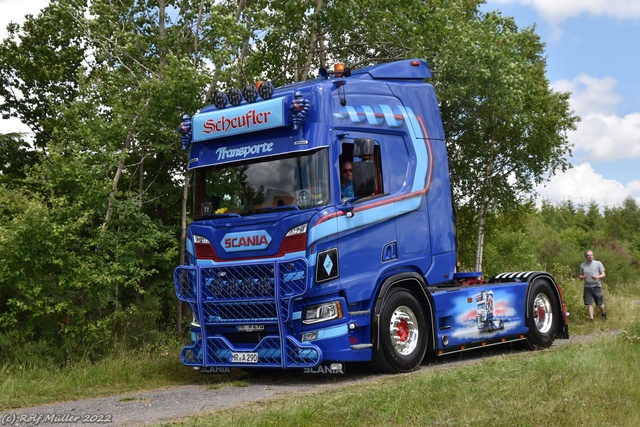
pixel 364 178
pixel 363 147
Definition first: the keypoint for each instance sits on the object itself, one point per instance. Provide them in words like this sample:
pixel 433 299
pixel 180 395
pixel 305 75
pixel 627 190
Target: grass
pixel 39 382
pixel 590 383
pixel 593 383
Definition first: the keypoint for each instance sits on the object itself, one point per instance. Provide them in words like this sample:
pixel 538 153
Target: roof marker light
pixel 235 96
pixel 250 93
pixel 219 99
pixel 265 89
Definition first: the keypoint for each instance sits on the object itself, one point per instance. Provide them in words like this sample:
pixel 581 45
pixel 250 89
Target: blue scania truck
pixel 285 272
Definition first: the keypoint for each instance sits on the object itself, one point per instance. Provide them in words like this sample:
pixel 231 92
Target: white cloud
pixel 634 189
pixel 556 11
pixel 601 135
pixel 583 185
pixel 15 11
pixel 12 125
pixel 589 94
pixel 608 137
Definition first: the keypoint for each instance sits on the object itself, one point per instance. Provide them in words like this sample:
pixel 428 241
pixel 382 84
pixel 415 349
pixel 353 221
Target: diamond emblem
pixel 327 264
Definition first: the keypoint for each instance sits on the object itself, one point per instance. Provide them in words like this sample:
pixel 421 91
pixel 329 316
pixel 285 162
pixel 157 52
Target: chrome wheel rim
pixel 542 313
pixel 403 330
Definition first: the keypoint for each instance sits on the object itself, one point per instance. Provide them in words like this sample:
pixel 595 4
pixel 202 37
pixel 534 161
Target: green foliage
pixel 88 231
pixel 557 236
pixel 623 223
pixel 502 137
pixel 62 278
pixel 509 251
pixel 40 67
pixel 16 157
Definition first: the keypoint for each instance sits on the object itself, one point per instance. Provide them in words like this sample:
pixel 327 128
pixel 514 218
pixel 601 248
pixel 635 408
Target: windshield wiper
pixel 220 215
pixel 277 208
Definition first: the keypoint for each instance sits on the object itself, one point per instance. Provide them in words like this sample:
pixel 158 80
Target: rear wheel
pixel 402 333
pixel 544 315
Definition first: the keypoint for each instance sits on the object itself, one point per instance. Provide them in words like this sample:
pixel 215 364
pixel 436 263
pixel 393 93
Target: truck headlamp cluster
pixel 322 312
pixel 203 248
pixel 235 96
pixel 301 229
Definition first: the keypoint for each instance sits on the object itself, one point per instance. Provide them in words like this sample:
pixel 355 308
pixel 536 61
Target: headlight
pixel 301 229
pixel 322 312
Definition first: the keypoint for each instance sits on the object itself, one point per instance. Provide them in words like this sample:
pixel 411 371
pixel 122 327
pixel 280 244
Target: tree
pixel 41 65
pixel 17 156
pixel 506 128
pixel 103 202
pixel 623 222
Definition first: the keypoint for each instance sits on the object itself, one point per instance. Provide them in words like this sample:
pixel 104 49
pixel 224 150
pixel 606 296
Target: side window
pixel 399 162
pixel 361 169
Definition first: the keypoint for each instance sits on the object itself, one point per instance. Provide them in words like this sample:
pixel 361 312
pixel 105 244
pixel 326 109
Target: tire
pixel 544 315
pixel 402 333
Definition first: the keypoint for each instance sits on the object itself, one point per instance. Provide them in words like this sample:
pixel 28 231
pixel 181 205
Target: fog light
pixel 309 336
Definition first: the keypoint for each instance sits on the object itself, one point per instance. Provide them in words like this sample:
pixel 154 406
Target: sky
pixel 593 51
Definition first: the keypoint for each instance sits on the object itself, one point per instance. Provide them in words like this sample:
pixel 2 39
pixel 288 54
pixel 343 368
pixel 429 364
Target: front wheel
pixel 402 333
pixel 543 317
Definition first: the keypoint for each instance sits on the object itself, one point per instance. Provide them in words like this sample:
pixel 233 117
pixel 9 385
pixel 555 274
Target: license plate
pixel 250 328
pixel 244 357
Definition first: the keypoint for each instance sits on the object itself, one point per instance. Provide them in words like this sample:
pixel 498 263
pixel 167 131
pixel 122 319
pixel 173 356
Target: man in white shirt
pixel 592 272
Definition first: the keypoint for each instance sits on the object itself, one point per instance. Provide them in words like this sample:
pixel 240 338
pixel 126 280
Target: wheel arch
pixel 541 275
pixel 414 283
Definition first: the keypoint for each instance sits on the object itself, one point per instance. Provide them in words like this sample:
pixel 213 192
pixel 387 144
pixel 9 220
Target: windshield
pixel 299 181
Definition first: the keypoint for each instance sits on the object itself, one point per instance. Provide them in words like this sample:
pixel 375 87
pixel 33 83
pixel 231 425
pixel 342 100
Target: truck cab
pixel 284 270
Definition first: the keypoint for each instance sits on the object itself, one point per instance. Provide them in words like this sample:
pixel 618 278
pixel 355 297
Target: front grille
pixel 222 299
pixel 251 293
pixel 242 293
pixel 240 311
pixel 238 283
